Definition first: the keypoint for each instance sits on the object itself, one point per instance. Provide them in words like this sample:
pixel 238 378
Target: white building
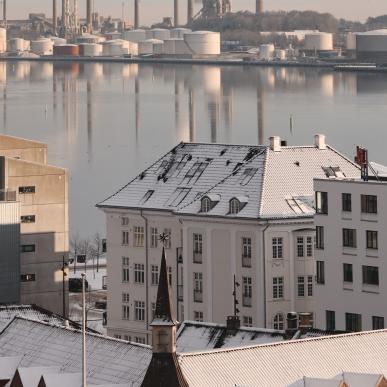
pixel 230 210
pixel 351 248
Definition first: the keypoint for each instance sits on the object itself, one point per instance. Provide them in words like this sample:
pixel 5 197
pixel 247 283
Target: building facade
pixel 41 191
pixel 351 220
pixel 230 210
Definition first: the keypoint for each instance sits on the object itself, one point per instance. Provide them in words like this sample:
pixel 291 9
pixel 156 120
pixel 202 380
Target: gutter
pixel 146 275
pixel 264 272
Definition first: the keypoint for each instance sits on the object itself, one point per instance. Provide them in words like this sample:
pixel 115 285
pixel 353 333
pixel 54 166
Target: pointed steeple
pixel 164 310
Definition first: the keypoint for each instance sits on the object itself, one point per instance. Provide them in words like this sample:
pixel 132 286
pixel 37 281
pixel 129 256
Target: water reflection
pixel 106 121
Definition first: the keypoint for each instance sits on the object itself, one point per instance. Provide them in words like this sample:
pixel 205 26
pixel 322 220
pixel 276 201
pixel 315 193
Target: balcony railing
pixel 180 293
pixel 198 296
pixel 246 261
pixel 197 257
pixel 246 301
pixel 7 195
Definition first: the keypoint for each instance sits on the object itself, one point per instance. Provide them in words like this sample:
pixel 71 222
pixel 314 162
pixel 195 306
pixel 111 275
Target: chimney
pixel 88 17
pixel 233 324
pixel 319 141
pixel 258 7
pixel 275 143
pixel 189 11
pixel 54 17
pixel 136 15
pixel 5 12
pixel 176 13
pixel 292 324
pixel 305 322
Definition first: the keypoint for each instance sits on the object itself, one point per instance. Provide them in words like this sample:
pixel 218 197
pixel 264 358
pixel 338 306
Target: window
pixel 153 309
pixel 277 244
pixel 27 219
pixel 370 275
pixel 320 270
pixel 346 201
pixel 125 312
pixel 247 175
pixel 247 291
pixel 300 286
pixel 198 287
pixel 246 252
pixel 322 202
pixel 369 204
pixel 352 322
pixel 309 246
pixel 125 298
pixel 278 322
pixel 205 205
pixel 139 310
pixel 27 277
pixel 154 237
pixel 320 237
pixel 278 287
pixel 330 317
pixel 125 237
pixel 195 171
pixel 333 172
pixel 125 269
pixel 27 190
pixel 235 206
pixel 377 322
pixel 27 248
pixel 139 340
pixel 170 275
pixel 168 240
pixel 372 239
pixel 147 196
pixel 310 286
pixel 247 321
pixel 178 196
pixel 127 338
pixel 197 248
pixel 349 237
pixel 198 316
pixel 117 337
pixel 124 221
pixel 300 247
pixel 155 275
pixel 347 272
pixel 138 236
pixel 139 273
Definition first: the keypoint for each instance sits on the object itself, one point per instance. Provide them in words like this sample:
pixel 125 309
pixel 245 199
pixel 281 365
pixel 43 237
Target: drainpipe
pixel 146 276
pixel 177 271
pixel 264 271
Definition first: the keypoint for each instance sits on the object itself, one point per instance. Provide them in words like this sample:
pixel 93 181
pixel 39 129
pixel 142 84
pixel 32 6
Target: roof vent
pixel 305 322
pixel 284 143
pixel 233 324
pixel 275 143
pixel 319 141
pixel 292 324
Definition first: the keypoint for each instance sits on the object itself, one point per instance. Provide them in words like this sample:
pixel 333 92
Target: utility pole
pixel 64 275
pixel 84 354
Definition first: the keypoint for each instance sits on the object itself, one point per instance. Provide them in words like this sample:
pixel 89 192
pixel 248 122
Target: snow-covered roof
pixel 62 379
pixel 30 376
pixel 202 336
pixel 285 363
pixel 110 361
pixel 278 184
pixel 8 366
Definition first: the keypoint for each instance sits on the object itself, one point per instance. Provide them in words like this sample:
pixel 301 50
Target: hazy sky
pixel 152 11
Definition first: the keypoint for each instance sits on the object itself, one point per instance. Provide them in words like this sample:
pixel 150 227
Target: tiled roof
pixel 109 360
pixel 269 184
pixel 283 364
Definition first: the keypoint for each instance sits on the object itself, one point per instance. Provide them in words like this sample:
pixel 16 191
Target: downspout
pixel 264 272
pixel 177 271
pixel 146 276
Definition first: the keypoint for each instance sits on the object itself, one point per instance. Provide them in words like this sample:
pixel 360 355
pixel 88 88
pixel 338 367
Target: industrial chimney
pixel 189 11
pixel 54 17
pixel 88 17
pixel 136 14
pixel 258 7
pixel 5 12
pixel 176 13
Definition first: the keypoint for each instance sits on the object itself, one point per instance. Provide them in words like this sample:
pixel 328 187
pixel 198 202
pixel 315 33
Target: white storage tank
pixel 351 41
pixel 157 33
pixel 319 41
pixel 3 40
pixel 203 42
pixel 170 46
pixel 42 46
pixel 280 54
pixel 116 47
pixel 266 51
pixel 18 45
pixel 58 41
pixel 148 47
pixel 134 35
pixel 372 45
pixel 178 33
pixel 89 38
pixel 90 49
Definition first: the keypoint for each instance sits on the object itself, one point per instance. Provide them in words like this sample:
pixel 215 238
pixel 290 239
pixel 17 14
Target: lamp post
pixel 83 275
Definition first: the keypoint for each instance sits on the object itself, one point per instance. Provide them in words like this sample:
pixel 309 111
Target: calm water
pixel 106 122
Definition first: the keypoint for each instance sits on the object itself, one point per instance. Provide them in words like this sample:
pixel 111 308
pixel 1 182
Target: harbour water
pixel 107 121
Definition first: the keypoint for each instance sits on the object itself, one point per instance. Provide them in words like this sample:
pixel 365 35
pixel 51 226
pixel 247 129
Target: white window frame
pixel 125 269
pixel 154 275
pixel 154 237
pixel 139 273
pixel 138 236
pixel 139 310
pixel 278 288
pixel 278 247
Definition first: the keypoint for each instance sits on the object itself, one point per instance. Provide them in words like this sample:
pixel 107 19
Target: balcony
pixel 246 301
pixel 197 257
pixel 180 293
pixel 198 296
pixel 7 195
pixel 246 261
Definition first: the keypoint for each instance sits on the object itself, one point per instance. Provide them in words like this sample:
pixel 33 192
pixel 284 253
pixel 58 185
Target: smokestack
pixel 54 19
pixel 136 14
pixel 189 11
pixel 258 7
pixel 88 17
pixel 176 13
pixel 5 12
pixel 63 15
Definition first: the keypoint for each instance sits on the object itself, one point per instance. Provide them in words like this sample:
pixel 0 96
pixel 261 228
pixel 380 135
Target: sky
pixel 151 11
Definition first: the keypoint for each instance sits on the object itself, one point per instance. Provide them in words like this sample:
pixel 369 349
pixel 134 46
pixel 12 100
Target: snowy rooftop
pixel 268 183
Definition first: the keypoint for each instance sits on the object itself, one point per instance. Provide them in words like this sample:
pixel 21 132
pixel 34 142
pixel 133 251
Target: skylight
pixel 147 196
pixel 247 175
pixel 178 196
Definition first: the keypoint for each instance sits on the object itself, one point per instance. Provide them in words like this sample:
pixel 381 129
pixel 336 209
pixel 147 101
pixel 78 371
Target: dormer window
pixel 208 202
pixel 206 205
pixel 235 206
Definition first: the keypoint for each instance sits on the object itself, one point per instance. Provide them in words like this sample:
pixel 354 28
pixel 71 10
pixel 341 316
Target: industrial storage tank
pixel 148 47
pixel 58 41
pixel 203 42
pixel 351 41
pixel 319 41
pixel 3 40
pixel 42 46
pixel 178 33
pixel 157 33
pixel 170 46
pixel 89 38
pixel 134 35
pixel 266 51
pixel 119 47
pixel 18 45
pixel 280 54
pixel 66 50
pixel 372 45
pixel 90 49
